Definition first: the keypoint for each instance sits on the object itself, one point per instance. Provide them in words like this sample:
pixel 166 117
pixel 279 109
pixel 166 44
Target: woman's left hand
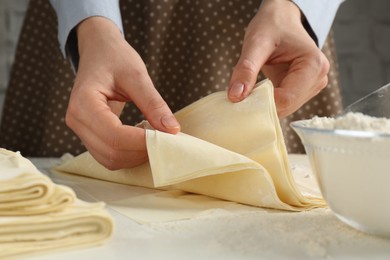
pixel 277 43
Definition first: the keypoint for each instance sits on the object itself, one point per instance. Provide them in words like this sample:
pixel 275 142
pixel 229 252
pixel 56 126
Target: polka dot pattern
pixel 39 87
pixel 189 47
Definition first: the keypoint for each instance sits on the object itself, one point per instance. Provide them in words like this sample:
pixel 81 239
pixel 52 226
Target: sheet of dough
pixel 26 191
pixel 229 151
pixel 145 205
pixel 78 225
pixel 37 215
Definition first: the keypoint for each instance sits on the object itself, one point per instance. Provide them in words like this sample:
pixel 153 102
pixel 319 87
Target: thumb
pixel 154 108
pixel 255 52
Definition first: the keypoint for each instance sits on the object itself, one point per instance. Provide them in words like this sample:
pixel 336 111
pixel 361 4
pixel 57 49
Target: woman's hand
pixel 277 43
pixel 110 73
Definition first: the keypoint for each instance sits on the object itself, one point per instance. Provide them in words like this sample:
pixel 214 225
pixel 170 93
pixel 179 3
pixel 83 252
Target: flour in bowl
pixel 352 121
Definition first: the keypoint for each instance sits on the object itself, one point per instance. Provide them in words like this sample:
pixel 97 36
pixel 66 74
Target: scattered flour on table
pixel 244 232
pixel 274 234
pixel 352 121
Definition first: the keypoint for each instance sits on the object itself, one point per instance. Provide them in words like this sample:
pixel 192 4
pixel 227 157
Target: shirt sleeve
pixel 319 16
pixel 71 12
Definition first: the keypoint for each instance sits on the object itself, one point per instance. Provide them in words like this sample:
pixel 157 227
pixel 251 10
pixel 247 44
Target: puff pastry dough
pixel 230 151
pixel 37 215
pixel 26 191
pixel 79 225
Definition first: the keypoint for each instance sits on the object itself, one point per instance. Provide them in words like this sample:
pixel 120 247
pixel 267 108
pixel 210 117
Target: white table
pixel 220 235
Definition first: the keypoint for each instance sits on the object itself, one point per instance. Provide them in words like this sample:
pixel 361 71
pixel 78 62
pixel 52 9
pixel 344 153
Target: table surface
pixel 254 234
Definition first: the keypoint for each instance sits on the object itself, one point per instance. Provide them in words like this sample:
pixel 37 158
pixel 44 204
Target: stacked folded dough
pixel 25 191
pixel 37 215
pixel 230 151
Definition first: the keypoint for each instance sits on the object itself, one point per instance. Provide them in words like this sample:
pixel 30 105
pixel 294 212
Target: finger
pixel 112 158
pixel 152 105
pixel 288 101
pixel 304 79
pixel 255 52
pixel 101 130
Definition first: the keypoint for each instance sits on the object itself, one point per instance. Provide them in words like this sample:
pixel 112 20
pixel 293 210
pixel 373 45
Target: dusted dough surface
pixel 229 151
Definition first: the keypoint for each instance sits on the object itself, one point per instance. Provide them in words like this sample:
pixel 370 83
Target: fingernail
pixel 237 89
pixel 170 122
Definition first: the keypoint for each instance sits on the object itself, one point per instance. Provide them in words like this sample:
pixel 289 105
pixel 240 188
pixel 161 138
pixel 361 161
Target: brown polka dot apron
pixel 188 46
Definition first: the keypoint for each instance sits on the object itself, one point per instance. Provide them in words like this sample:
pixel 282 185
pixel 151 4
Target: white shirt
pixel 319 15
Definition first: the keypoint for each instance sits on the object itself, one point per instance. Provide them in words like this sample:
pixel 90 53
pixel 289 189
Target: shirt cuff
pixel 319 16
pixel 71 12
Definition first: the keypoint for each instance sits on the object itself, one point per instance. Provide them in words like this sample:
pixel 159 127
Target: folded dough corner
pixel 230 151
pixel 37 215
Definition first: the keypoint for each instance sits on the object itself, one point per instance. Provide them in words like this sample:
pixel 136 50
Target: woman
pixel 175 53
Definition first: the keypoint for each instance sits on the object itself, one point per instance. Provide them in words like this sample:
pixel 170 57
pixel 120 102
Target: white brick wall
pixel 362 34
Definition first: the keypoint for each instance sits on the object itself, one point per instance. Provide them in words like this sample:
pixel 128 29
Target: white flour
pixel 353 169
pixel 271 234
pixel 352 121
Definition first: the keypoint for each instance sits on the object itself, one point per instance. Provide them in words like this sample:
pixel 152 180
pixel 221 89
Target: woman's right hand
pixel 111 73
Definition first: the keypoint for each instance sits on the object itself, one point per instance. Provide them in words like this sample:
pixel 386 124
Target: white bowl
pixel 353 171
